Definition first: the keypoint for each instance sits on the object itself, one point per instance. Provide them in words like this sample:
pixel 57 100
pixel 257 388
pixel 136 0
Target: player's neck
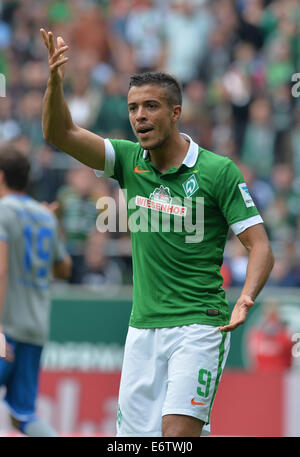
pixel 171 153
pixel 4 191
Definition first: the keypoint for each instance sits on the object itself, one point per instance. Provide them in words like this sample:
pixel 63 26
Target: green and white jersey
pixel 179 222
pixel 34 245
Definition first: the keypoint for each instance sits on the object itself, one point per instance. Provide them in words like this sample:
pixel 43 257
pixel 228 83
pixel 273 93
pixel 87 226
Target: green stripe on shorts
pixel 219 372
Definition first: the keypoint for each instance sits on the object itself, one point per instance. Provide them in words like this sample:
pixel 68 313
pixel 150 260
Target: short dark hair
pixel 168 82
pixel 15 166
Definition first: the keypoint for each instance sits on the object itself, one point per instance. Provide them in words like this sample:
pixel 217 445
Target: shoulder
pixel 41 212
pixel 6 209
pixel 214 163
pixel 213 158
pixel 125 145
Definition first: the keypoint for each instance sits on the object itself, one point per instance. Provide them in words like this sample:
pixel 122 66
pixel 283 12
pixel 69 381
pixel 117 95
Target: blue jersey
pixel 31 231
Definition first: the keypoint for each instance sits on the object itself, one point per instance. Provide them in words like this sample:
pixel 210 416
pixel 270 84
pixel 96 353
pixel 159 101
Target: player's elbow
pixel 63 139
pixel 271 258
pixel 63 269
pixel 52 138
pixel 47 132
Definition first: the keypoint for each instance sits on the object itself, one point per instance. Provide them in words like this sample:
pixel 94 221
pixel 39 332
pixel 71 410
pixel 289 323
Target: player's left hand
pixel 2 345
pixel 239 313
pixel 6 351
pixel 53 207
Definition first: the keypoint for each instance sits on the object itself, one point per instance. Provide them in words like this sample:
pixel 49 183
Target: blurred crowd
pixel 235 60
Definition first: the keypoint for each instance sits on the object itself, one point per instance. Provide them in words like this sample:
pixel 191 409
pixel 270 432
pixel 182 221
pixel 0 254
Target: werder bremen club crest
pixel 190 186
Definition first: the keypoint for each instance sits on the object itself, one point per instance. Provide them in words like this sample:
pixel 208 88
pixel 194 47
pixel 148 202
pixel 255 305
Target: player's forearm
pixel 56 117
pixel 260 264
pixel 3 283
pixel 63 269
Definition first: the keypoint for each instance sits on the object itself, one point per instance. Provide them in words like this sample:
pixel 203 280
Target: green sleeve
pixel 124 159
pixel 232 195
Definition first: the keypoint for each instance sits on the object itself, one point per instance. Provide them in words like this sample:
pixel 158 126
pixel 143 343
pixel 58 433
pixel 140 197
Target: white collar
pixel 191 156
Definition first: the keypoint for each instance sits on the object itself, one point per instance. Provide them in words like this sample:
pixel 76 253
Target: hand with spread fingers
pixel 56 59
pixel 239 313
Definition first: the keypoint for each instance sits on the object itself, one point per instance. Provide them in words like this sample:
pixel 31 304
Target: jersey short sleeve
pixel 119 157
pixel 234 199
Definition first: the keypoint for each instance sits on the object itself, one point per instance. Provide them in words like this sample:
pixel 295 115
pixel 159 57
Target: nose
pixel 140 114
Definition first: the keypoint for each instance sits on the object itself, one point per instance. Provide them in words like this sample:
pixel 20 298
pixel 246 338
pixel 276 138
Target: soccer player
pixel 30 249
pixel 181 201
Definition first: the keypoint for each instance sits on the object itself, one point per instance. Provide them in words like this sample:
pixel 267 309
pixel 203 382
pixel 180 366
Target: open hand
pixel 56 57
pixel 239 313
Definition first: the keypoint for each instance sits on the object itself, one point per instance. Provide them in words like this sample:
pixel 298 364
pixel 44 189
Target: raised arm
pixel 58 126
pixel 260 264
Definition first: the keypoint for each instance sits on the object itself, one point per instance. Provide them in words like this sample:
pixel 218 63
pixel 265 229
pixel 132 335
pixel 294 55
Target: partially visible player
pixel 30 251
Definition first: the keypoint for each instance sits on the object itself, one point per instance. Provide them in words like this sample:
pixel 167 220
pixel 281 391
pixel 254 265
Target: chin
pixel 146 144
pixel 151 145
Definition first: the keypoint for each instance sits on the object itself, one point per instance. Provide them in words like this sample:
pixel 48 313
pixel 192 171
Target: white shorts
pixel 172 370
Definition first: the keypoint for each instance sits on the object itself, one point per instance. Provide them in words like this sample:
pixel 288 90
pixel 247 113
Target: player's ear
pixel 176 112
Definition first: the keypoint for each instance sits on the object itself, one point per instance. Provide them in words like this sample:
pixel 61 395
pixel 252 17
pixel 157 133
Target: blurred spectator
pixel 89 32
pixel 194 120
pixel 276 219
pixel 286 270
pixel 5 35
pixel 77 214
pixel 122 57
pixel 48 172
pixel 217 55
pixel 284 274
pixel 282 118
pixel 33 75
pixel 29 114
pixel 101 271
pixel 249 22
pixel 112 117
pixel 236 257
pixel 295 143
pixel 269 343
pixel 84 100
pixel 279 62
pixel 226 273
pixel 59 11
pixel 260 190
pixel 282 214
pixel 186 22
pixel 118 17
pixel 144 32
pixel 9 127
pixel 259 141
pixel 243 77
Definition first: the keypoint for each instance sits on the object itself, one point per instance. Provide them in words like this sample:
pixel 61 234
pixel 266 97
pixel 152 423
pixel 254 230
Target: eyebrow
pixel 145 101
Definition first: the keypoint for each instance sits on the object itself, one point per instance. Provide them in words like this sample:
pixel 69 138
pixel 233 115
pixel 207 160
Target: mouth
pixel 144 132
